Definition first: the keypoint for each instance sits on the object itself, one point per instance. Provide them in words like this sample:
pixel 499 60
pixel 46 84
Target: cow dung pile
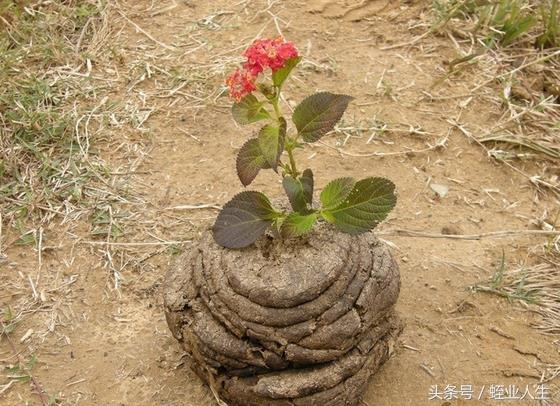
pixel 296 322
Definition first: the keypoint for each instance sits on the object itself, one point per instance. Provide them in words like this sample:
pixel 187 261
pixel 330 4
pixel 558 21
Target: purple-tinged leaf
pixel 243 219
pixel 306 180
pixel 250 161
pixel 297 193
pixel 317 114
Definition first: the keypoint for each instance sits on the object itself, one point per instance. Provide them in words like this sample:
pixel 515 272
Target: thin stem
pixel 276 108
pixel 294 170
pixel 291 168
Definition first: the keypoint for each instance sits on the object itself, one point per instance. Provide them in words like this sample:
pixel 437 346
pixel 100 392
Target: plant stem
pixel 291 168
pixel 274 103
pixel 294 170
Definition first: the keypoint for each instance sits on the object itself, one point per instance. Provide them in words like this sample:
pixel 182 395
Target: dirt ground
pixel 92 312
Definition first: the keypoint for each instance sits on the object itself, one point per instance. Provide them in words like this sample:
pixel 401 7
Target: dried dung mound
pixel 286 323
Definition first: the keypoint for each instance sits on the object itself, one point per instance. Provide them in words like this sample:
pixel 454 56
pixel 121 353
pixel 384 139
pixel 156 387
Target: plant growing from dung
pixel 353 206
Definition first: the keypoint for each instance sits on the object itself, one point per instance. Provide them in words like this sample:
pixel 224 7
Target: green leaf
pixel 336 191
pixel 300 191
pixel 317 114
pixel 297 224
pixel 296 193
pixel 243 219
pixel 306 180
pixel 277 224
pixel 281 74
pixel 250 161
pixel 369 202
pixel 249 110
pixel 271 143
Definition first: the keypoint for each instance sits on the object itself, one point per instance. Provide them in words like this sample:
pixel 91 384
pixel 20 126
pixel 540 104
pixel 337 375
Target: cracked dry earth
pixel 97 345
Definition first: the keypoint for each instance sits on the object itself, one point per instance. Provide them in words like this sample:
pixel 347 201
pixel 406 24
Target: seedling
pixel 507 21
pixel 503 284
pixel 353 206
pixel 550 37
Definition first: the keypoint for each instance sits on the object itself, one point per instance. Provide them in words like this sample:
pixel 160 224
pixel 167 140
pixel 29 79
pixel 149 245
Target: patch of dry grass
pixel 535 287
pixel 514 47
pixel 48 109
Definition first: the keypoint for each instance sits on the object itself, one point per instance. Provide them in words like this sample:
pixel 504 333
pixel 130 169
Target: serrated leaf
pixel 297 224
pixel 306 180
pixel 369 202
pixel 248 110
pixel 281 74
pixel 336 191
pixel 271 143
pixel 296 193
pixel 299 191
pixel 243 219
pixel 317 114
pixel 250 161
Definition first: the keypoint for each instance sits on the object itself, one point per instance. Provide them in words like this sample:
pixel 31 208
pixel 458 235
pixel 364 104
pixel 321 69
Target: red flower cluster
pixel 262 54
pixel 271 53
pixel 241 83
